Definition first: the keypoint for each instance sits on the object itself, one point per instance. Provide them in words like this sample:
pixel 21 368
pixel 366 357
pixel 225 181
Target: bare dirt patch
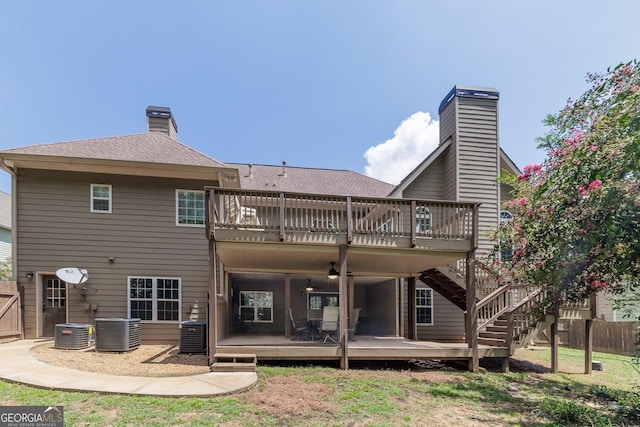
pixel 145 361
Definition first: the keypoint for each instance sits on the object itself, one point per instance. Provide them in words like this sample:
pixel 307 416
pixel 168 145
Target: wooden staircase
pixel 505 315
pixel 445 286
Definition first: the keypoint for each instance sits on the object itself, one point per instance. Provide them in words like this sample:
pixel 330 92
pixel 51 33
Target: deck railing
pixel 290 212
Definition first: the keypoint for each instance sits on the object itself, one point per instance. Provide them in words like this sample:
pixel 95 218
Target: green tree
pixel 577 225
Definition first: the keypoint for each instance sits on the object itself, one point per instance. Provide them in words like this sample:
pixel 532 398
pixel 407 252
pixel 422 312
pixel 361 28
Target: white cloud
pixel 412 142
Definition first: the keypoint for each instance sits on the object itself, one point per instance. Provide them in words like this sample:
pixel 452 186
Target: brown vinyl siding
pixel 448 320
pixel 57 229
pixel 478 160
pixel 448 130
pixel 430 184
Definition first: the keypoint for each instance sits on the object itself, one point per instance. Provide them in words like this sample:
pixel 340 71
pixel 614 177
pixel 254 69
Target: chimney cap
pixel 155 111
pixel 461 91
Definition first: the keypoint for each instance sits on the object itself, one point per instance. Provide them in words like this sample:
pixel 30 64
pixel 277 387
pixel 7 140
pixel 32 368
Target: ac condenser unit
pixel 193 337
pixel 72 336
pixel 117 334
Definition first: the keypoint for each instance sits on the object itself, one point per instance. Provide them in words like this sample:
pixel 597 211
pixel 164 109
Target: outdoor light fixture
pixel 29 275
pixel 333 273
pixel 309 287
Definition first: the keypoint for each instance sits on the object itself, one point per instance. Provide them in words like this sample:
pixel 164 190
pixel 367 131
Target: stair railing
pixel 523 318
pixel 493 306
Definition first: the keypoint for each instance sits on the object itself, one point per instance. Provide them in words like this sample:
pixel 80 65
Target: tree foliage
pixel 6 269
pixel 576 229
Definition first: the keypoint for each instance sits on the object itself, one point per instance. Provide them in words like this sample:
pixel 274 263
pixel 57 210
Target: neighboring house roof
pixel 152 147
pixel 310 180
pixel 5 210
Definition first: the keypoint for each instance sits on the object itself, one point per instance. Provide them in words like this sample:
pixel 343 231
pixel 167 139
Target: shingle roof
pixel 310 180
pixel 152 147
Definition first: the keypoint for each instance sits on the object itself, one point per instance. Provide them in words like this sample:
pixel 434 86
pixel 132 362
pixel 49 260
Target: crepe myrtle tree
pixel 576 225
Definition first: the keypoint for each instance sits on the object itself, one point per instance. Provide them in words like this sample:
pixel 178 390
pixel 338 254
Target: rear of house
pixel 134 212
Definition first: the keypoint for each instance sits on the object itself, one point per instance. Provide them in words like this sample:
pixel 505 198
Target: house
pixel 5 226
pixel 168 234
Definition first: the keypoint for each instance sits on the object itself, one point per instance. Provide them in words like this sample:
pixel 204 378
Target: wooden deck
pixel 364 348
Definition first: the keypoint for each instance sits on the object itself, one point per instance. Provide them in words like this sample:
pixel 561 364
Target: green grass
pixel 379 398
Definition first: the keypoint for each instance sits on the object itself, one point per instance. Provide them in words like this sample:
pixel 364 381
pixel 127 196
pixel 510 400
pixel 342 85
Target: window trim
pixel 178 223
pixel 418 306
pixel 255 306
pixel 155 299
pixel 92 198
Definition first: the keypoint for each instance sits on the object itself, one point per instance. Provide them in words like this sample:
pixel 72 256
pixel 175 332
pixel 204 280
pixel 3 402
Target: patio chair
pixel 299 326
pixel 330 323
pixel 353 323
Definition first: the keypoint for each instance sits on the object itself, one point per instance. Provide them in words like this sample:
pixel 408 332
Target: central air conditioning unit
pixel 193 337
pixel 117 334
pixel 72 336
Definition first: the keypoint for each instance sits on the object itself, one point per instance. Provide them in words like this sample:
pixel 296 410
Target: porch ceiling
pixel 311 259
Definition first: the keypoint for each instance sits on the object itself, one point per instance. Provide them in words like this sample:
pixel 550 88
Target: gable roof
pixel 152 147
pixel 415 173
pixel 310 180
pixel 144 154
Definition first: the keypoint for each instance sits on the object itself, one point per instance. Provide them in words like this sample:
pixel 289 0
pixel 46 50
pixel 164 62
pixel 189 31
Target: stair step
pixel 497 329
pixel 500 322
pixel 494 335
pixel 234 362
pixel 492 342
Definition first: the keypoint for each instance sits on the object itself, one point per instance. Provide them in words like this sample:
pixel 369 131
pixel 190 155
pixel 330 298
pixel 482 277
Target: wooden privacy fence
pixel 608 337
pixel 10 312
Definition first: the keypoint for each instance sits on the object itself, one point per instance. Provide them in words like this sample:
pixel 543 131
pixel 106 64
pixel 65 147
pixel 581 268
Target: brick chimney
pixel 160 119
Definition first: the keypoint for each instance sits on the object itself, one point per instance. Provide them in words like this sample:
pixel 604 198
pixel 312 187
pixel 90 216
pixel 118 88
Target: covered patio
pixel 378 247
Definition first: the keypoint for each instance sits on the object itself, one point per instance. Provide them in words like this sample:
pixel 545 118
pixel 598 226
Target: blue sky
pixel 317 84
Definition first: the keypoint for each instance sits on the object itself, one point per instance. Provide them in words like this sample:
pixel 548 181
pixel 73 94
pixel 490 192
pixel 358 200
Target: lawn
pixel 385 395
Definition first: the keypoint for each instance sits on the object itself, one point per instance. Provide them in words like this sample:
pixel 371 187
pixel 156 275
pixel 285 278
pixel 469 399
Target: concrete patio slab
pixel 19 365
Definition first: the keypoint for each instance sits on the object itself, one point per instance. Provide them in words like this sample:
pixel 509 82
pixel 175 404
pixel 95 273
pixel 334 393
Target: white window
pixel 154 299
pixel 505 216
pixel 424 306
pixel 423 220
pixel 101 198
pixel 256 306
pixel 506 250
pixel 190 207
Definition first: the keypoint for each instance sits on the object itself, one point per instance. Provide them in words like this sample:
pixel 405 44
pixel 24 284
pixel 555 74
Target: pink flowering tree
pixel 576 229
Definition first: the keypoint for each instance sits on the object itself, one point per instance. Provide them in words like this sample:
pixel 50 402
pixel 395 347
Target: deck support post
pixel 588 335
pixel 471 314
pixel 412 308
pixel 287 304
pixel 212 338
pixel 344 314
pixel 554 343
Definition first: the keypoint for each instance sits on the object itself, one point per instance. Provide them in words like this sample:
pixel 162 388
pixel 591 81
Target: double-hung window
pixel 424 306
pixel 190 207
pixel 256 306
pixel 101 198
pixel 155 299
